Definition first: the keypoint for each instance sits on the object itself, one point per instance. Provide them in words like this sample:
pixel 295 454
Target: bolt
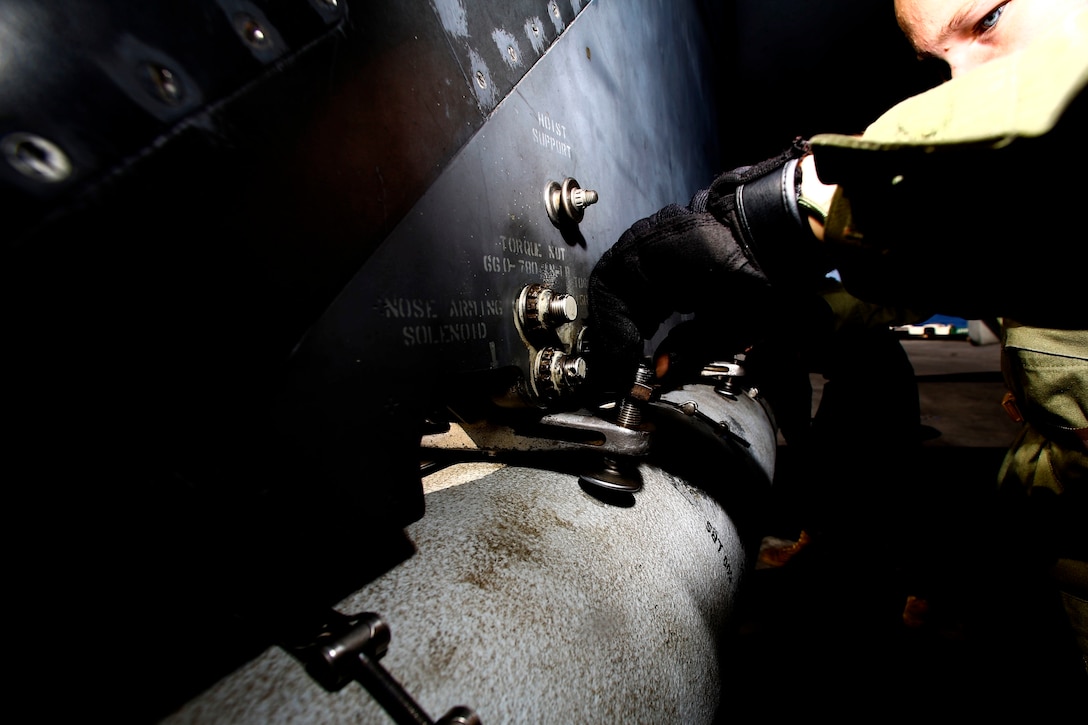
pixel 563 307
pixel 574 371
pixel 581 198
pixel 630 413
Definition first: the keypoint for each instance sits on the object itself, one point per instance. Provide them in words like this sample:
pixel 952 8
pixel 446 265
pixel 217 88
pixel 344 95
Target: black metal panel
pixel 182 202
pixel 210 393
pixel 439 295
pixel 436 300
pixel 202 233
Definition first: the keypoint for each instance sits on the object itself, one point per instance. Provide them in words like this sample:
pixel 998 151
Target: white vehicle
pixel 933 328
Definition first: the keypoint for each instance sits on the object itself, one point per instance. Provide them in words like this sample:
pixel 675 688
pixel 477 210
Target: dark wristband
pixel 774 227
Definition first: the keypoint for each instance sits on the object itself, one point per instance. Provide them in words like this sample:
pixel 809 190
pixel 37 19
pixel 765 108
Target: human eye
pixel 990 19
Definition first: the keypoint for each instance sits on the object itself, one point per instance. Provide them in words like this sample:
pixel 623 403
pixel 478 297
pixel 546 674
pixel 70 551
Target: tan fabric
pixel 1020 95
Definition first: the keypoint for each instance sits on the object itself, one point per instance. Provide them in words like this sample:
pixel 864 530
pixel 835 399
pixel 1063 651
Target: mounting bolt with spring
pixel 540 309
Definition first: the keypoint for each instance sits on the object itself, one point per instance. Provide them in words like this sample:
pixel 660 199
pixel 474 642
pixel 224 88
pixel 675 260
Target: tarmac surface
pixel 830 632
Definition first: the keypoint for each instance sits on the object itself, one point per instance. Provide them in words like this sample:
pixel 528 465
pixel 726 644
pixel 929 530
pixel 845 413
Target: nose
pixel 964 58
pixel 958 64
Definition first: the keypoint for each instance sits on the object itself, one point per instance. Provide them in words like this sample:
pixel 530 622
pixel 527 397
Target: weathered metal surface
pixel 437 297
pixel 529 600
pixel 244 269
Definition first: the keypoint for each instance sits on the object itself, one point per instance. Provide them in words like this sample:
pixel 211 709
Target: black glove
pixel 717 257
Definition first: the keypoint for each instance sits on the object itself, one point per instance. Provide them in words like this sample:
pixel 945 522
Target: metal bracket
pixel 564 431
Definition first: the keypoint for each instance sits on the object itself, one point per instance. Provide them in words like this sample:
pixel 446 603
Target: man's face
pixel 967 33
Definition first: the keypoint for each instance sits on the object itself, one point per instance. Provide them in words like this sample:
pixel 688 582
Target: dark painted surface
pixel 166 462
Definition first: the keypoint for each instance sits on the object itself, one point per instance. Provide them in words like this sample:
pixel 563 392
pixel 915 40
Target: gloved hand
pixel 718 258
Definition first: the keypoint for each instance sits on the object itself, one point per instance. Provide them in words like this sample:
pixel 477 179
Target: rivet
pixel 251 31
pixel 512 53
pixel 165 82
pixel 480 79
pixel 36 157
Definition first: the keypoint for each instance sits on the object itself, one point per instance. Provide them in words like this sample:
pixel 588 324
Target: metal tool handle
pixel 354 656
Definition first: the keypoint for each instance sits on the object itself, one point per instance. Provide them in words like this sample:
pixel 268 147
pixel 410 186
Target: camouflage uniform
pixel 960 200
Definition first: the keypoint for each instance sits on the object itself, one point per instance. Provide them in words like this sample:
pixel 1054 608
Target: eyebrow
pixel 949 28
pixel 959 18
